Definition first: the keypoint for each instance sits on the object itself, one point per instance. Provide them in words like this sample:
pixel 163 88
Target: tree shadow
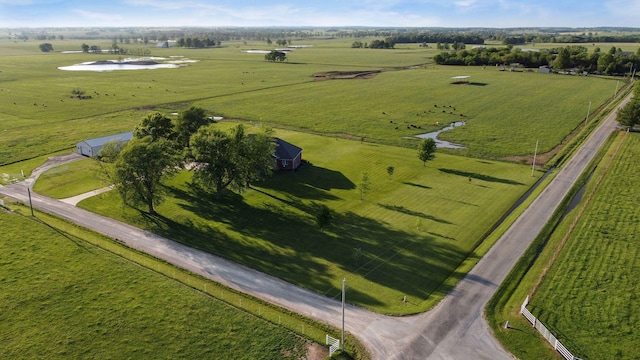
pixel 417 185
pixel 308 182
pixel 480 176
pixel 404 210
pixel 278 235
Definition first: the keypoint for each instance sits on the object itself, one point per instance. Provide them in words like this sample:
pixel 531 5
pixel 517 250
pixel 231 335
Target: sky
pixel 319 13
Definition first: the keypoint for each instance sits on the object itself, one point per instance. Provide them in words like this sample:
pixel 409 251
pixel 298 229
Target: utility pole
pixel 30 204
pixel 588 111
pixel 533 165
pixel 344 280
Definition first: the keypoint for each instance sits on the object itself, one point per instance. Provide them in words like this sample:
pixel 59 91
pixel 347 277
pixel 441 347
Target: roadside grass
pixel 71 179
pixel 589 297
pixel 587 292
pixel 505 112
pixel 66 298
pixel 406 238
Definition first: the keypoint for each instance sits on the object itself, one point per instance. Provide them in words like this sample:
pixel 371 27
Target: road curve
pixel 454 329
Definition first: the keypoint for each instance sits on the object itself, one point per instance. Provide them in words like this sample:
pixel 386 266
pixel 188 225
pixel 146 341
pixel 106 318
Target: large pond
pixel 441 143
pixel 127 64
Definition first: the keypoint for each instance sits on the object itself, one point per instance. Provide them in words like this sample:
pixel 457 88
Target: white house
pixel 92 147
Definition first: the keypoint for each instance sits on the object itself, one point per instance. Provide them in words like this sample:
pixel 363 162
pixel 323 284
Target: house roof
pixel 102 140
pixel 286 151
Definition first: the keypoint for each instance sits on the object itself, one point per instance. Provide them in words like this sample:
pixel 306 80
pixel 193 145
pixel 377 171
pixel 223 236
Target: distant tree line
pixel 572 39
pixel 613 62
pixel 197 42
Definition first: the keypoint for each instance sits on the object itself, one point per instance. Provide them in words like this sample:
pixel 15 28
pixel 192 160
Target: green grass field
pixel 63 298
pixel 590 295
pixel 587 299
pixel 505 112
pixel 72 179
pixel 412 235
pixel 424 217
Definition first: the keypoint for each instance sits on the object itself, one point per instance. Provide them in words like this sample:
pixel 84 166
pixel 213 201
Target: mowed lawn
pixel 590 296
pixel 405 238
pixel 72 179
pixel 63 298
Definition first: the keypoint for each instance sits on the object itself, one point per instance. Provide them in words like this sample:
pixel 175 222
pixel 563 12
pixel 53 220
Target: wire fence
pixel 557 345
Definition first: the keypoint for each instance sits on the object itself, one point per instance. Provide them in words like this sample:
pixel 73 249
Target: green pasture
pixel 64 298
pixel 505 112
pixel 589 296
pixel 406 238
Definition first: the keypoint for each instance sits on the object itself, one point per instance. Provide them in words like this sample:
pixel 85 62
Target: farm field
pixel 63 298
pixel 590 295
pixel 505 112
pixel 407 237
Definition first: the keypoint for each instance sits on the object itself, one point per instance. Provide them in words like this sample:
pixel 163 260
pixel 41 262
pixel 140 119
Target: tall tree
pixel 629 115
pixel 427 150
pixel 231 159
pixel 140 170
pixel 155 125
pixel 189 122
pixel 563 59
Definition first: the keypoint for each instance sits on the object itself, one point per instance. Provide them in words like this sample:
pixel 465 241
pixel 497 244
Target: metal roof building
pixel 92 147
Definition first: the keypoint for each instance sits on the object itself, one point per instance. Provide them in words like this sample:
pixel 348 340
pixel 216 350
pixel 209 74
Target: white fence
pixel 334 344
pixel 545 332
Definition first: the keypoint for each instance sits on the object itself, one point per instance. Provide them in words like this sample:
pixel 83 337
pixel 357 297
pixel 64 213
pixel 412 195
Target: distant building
pixel 287 156
pixel 544 69
pixel 92 147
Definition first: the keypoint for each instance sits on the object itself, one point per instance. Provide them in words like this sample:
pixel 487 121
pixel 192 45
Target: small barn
pixel 92 147
pixel 288 157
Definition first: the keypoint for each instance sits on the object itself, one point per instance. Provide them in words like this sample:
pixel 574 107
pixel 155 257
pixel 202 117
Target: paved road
pixel 455 329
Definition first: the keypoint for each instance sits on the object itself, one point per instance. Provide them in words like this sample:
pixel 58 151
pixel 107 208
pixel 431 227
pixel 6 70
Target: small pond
pixel 441 143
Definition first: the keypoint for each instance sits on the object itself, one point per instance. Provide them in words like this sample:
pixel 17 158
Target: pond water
pixel 148 63
pixel 115 67
pixel 441 143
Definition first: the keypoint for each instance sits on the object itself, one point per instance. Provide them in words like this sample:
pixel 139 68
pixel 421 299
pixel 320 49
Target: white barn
pixel 92 147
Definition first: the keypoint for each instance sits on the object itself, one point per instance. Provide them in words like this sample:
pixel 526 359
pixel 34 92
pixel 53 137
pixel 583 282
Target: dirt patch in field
pixel 342 75
pixel 316 351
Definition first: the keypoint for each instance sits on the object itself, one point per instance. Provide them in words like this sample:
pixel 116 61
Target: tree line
pixel 161 147
pixel 197 42
pixel 612 62
pixel 571 39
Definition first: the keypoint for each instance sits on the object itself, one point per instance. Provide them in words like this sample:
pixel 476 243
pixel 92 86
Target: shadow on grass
pixel 309 182
pixel 417 185
pixel 404 210
pixel 278 235
pixel 480 176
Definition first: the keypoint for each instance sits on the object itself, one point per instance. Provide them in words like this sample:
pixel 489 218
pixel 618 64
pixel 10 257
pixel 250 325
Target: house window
pixel 284 162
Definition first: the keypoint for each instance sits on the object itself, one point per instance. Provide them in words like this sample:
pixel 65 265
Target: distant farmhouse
pixel 288 157
pixel 92 147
